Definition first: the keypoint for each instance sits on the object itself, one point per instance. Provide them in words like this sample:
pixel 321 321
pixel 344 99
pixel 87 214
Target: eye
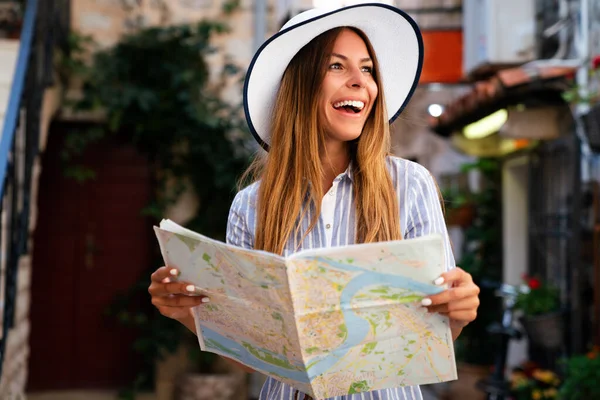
pixel 368 70
pixel 336 65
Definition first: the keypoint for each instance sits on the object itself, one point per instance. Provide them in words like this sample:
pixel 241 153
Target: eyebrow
pixel 346 58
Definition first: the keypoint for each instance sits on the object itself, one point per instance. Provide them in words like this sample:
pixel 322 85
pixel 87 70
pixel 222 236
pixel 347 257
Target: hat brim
pixel 396 40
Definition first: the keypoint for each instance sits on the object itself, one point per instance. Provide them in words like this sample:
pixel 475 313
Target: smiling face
pixel 349 89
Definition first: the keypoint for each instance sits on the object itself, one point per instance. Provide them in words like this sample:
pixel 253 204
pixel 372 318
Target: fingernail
pixel 205 300
pixel 426 302
pixel 166 280
pixel 174 272
pixel 190 288
pixel 439 281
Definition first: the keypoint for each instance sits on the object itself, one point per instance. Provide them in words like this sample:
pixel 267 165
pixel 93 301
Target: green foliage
pixel 153 89
pixel 534 383
pixel 156 335
pixel 582 380
pixel 482 258
pixel 72 62
pixel 576 94
pixel 540 299
pixel 229 6
pixel 75 144
pixel 454 198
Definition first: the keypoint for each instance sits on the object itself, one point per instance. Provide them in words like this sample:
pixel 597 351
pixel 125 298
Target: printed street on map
pixel 329 322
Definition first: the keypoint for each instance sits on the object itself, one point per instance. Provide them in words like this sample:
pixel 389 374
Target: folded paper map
pixel 328 322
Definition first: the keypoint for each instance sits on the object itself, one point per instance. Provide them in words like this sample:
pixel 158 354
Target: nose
pixel 357 78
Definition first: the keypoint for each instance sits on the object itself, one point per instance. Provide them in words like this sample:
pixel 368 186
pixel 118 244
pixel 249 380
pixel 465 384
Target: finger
pixel 179 301
pixel 452 294
pixel 463 315
pixel 166 288
pixel 164 272
pixel 455 277
pixel 468 303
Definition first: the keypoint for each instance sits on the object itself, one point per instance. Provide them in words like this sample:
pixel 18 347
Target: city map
pixel 328 322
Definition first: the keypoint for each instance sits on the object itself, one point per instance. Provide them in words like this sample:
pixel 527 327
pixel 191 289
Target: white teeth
pixel 356 104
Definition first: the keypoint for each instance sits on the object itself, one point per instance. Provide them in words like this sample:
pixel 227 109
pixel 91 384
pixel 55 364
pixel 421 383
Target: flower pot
pixel 546 331
pixel 227 386
pixel 462 216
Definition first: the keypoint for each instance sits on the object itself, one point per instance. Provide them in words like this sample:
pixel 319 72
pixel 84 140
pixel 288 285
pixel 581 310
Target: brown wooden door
pixel 91 242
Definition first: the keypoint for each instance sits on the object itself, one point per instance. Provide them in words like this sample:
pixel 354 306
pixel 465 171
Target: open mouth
pixel 349 106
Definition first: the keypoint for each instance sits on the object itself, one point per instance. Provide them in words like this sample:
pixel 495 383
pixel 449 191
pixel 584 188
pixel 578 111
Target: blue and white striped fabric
pixel 420 214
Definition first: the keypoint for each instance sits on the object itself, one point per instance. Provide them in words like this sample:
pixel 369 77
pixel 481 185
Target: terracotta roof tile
pixel 506 83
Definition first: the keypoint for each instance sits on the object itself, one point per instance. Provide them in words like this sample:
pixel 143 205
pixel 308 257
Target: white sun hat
pixel 395 37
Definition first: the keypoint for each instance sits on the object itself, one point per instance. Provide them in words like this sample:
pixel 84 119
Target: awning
pixel 530 86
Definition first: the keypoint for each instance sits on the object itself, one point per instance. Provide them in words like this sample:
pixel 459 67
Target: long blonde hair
pixel 291 173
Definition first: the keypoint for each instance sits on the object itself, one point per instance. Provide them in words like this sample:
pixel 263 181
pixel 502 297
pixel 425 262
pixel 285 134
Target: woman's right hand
pixel 172 298
pixel 175 300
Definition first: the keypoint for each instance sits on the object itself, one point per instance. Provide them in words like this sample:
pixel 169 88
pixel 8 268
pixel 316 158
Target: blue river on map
pixel 357 327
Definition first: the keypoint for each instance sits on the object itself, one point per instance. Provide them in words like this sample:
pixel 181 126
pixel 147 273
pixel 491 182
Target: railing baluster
pixel 19 143
pixel 18 149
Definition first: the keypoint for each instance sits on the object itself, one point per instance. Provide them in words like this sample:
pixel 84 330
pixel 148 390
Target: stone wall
pixel 14 370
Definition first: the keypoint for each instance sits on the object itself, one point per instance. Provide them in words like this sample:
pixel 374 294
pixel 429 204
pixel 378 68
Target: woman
pixel 314 99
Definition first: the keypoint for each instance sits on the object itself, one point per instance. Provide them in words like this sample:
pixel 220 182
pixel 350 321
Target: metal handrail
pixel 16 92
pixel 18 147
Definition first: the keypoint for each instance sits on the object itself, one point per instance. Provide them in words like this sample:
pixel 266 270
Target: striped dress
pixel 420 214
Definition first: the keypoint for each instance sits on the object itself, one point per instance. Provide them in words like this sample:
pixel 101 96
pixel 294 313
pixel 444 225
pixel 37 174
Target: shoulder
pixel 245 200
pixel 406 174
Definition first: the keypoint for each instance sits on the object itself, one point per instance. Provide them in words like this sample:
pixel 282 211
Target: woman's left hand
pixel 459 302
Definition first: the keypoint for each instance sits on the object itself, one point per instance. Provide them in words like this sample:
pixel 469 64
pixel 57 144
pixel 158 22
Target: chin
pixel 346 134
pixel 345 137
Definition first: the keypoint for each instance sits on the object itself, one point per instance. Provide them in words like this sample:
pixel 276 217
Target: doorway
pixel 91 242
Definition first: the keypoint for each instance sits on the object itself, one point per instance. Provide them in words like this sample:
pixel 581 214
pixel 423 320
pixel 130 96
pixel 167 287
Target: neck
pixel 335 160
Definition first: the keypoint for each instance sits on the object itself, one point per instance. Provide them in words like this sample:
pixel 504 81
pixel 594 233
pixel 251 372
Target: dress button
pixel 328 226
pixel 331 193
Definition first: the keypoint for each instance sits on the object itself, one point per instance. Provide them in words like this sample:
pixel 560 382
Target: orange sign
pixel 443 60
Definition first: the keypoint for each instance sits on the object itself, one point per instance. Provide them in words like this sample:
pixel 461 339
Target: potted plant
pixel 582 378
pixel 542 317
pixel 531 382
pixel 11 19
pixel 459 207
pixel 459 203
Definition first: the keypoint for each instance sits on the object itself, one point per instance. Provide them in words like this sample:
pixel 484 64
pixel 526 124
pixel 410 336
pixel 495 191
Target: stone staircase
pixel 9 50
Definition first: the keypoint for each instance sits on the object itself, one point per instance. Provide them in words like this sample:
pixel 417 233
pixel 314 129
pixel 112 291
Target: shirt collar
pixel 348 172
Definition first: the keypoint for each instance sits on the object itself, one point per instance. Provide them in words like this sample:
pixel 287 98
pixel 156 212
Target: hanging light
pixel 492 145
pixel 435 110
pixel 486 126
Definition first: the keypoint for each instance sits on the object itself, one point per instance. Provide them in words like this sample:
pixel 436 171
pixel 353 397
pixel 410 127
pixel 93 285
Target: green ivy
pixel 153 89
